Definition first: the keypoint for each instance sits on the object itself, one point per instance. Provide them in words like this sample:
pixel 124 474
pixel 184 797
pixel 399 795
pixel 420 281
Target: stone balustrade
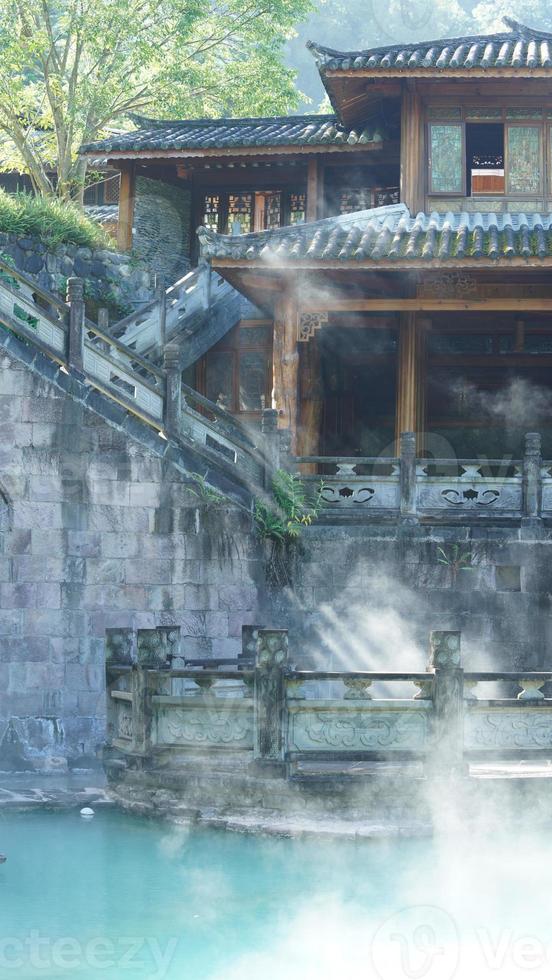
pixel 408 488
pixel 280 717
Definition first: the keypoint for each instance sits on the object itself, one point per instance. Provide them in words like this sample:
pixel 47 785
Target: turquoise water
pixel 121 897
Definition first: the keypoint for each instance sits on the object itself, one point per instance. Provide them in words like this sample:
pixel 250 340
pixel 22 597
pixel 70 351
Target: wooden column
pixel 285 360
pixel 413 161
pixel 313 189
pixel 310 402
pixel 127 194
pixel 410 376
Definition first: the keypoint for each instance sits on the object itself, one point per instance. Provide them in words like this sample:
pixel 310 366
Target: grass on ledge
pixel 49 220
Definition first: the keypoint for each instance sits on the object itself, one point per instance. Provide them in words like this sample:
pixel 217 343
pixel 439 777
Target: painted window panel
pixel 446 156
pixel 252 380
pixel 524 159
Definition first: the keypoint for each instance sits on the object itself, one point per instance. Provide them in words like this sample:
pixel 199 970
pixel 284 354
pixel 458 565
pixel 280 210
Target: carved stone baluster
pixel 295 689
pixel 269 698
pixel 356 689
pixel 448 701
pixel 173 394
pixel 469 690
pixel 408 478
pixel 531 689
pixel 204 684
pixel 75 299
pixel 425 689
pixel 532 486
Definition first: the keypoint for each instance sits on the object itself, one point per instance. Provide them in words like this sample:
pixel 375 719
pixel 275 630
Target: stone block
pixel 83 544
pixel 153 572
pixel 28 514
pixel 144 494
pixel 233 597
pixel 28 568
pixel 24 649
pixel 10 622
pixel 104 571
pixel 121 545
pixel 17 542
pixel 113 492
pixel 14 596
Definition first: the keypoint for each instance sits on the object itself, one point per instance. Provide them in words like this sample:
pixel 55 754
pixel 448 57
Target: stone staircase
pixel 195 312
pixel 122 379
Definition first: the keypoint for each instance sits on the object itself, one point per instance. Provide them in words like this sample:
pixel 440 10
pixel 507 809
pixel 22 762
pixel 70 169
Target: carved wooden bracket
pixel 308 323
pixel 447 285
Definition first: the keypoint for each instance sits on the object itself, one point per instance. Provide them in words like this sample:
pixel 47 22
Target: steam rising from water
pixel 520 404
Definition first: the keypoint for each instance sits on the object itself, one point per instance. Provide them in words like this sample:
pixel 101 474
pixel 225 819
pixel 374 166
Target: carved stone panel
pixel 361 492
pixel 157 647
pixel 355 729
pixel 208 726
pixel 471 493
pixel 508 728
pixel 124 726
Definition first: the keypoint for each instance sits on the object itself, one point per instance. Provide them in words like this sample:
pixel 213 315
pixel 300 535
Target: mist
pixel 363 24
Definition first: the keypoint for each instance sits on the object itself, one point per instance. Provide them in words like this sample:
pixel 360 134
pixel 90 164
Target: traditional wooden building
pixel 398 251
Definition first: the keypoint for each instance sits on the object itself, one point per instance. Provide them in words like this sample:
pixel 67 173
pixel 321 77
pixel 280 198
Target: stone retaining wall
pixel 98 532
pixel 114 279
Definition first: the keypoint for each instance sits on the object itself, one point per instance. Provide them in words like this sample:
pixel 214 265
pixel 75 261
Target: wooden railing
pixel 284 717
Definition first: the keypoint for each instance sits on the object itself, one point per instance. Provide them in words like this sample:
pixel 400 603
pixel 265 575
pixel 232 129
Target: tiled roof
pixel 390 234
pixel 203 134
pixel 102 212
pixel 522 48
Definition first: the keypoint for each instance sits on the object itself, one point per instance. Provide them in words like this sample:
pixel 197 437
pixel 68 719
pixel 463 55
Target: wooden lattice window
pixel 355 199
pixel 211 211
pixel 240 214
pixel 111 190
pixel 297 208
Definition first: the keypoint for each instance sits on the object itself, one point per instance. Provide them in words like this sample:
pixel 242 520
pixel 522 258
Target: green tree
pixel 70 69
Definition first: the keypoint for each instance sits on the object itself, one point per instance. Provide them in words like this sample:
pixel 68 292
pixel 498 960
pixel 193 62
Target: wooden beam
pixel 285 361
pixel 127 194
pixel 399 305
pixel 312 189
pixel 242 151
pixel 412 149
pixel 500 266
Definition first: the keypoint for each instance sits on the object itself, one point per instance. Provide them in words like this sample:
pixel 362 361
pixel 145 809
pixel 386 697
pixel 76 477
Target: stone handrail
pixel 62 332
pixel 155 323
pixel 271 712
pixel 409 487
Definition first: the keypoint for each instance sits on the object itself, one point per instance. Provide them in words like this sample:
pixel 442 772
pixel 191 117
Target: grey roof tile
pixel 195 134
pixel 392 234
pixel 523 48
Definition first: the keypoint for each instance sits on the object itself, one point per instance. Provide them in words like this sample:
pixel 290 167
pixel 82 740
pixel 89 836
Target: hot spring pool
pixel 121 897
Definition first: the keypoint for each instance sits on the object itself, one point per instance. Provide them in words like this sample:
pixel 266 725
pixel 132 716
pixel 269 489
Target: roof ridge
pixel 145 121
pixel 517 29
pixel 342 220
